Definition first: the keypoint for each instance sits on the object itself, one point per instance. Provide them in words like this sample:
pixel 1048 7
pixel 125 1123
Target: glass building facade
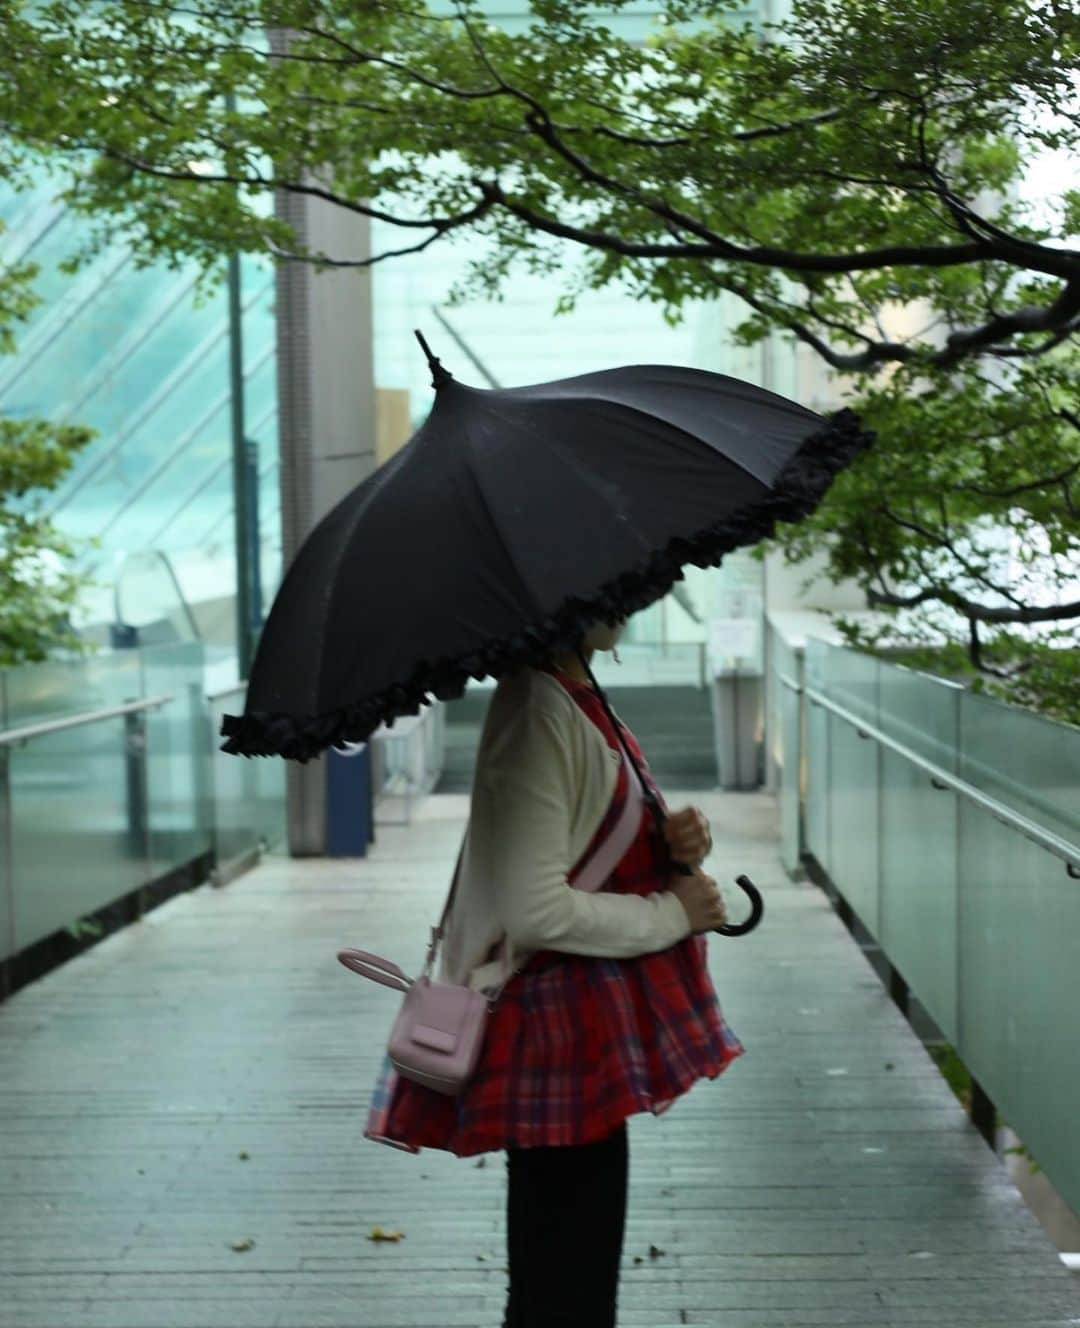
pixel 127 352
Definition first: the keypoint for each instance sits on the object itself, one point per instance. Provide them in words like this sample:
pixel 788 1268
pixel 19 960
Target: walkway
pixel 182 1110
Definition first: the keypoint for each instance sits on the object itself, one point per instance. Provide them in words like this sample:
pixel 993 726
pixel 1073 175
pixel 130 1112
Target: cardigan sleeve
pixel 520 819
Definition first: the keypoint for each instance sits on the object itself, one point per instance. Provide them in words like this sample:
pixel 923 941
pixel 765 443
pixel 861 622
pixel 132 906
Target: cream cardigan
pixel 544 778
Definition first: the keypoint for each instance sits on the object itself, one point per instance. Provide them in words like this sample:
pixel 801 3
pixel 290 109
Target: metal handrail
pixel 941 778
pixel 226 691
pixel 9 736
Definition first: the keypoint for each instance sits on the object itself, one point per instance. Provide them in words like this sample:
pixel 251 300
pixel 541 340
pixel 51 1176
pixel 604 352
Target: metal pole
pixel 251 452
pixel 245 637
pixel 7 878
pixel 737 782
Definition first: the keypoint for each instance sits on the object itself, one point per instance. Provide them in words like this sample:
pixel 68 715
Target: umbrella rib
pixel 591 476
pixel 523 586
pixel 686 433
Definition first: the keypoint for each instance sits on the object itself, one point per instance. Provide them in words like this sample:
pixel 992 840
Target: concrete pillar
pixel 326 413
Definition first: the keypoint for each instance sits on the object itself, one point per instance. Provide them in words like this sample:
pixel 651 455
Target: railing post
pixel 134 758
pixel 983 1113
pixel 898 990
pixel 204 773
pixel 7 949
pixel 138 790
pixel 802 771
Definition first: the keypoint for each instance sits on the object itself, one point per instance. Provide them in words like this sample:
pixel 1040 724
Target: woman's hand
pixel 687 834
pixel 701 898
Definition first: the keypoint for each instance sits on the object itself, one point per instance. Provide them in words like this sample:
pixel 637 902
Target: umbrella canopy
pixel 511 521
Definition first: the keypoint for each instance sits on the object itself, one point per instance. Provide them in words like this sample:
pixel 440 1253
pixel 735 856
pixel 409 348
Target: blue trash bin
pixel 350 818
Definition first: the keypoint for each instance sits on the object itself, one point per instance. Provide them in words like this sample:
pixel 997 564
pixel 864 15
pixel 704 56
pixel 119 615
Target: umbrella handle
pixel 757 905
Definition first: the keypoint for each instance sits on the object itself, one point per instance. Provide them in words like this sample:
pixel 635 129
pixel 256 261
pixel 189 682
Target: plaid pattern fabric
pixel 576 1043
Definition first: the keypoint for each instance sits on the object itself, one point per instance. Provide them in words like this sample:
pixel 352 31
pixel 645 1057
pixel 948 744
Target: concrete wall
pixel 326 414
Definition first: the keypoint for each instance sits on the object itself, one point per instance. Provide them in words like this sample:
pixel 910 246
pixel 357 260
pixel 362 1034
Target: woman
pixel 611 1010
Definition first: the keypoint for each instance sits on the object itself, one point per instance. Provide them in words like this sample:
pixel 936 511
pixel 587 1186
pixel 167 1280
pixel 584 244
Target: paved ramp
pixel 182 1109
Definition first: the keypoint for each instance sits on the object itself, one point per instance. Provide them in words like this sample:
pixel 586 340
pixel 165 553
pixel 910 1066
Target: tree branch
pixel 362 57
pixel 940 538
pixel 984 612
pixel 441 224
pixel 943 255
pixel 1043 483
pixel 1031 318
pixel 976 655
pixel 970 609
pixel 1031 352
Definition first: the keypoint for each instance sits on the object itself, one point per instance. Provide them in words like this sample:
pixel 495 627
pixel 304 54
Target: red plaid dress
pixel 576 1043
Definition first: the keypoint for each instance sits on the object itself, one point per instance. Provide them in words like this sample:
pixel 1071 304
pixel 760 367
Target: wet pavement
pixel 183 1108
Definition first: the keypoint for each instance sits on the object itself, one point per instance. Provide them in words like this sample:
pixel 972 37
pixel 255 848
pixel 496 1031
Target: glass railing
pixel 949 823
pixel 246 793
pixel 783 754
pixel 406 761
pixel 111 778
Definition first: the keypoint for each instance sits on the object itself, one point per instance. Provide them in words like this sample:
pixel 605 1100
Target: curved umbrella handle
pixel 757 908
pixel 757 904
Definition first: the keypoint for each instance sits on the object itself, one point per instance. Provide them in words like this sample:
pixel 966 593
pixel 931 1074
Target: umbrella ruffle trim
pixel 795 493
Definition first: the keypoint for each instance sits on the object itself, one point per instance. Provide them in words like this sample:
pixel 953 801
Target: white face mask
pixel 602 637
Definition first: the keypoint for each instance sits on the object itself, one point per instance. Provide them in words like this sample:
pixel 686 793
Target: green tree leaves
pixel 848 177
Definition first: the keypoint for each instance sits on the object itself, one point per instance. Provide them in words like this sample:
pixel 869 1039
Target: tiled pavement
pixel 182 1109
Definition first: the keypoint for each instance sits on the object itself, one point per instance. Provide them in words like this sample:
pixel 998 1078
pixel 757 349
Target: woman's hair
pixel 597 636
pixel 601 636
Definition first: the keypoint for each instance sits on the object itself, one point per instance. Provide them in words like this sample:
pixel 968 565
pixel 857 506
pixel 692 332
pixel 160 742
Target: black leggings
pixel 565 1216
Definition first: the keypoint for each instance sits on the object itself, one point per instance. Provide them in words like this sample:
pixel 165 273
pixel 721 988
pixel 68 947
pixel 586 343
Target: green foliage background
pixel 847 178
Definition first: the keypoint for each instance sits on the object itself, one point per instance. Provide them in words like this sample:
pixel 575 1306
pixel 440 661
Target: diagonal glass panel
pixel 61 319
pixel 19 207
pixel 164 531
pixel 198 447
pixel 194 372
pixel 125 352
pixel 127 313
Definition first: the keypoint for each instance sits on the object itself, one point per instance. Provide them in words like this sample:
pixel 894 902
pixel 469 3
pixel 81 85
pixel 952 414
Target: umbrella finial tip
pixel 439 375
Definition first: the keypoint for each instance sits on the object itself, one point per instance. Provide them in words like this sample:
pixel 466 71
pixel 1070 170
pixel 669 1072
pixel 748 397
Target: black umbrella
pixel 511 521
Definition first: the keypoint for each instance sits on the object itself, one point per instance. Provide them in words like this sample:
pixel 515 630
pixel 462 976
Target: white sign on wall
pixel 731 641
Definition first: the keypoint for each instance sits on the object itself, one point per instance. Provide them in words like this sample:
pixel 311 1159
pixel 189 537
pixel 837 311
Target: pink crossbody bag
pixel 439 1032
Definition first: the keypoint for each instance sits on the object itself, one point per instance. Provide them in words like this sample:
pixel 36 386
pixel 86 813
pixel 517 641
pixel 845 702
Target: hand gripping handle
pixel 748 887
pixel 743 882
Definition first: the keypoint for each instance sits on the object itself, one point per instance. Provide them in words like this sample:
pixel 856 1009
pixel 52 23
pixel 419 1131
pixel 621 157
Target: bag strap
pixel 650 798
pixel 606 856
pixel 596 871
